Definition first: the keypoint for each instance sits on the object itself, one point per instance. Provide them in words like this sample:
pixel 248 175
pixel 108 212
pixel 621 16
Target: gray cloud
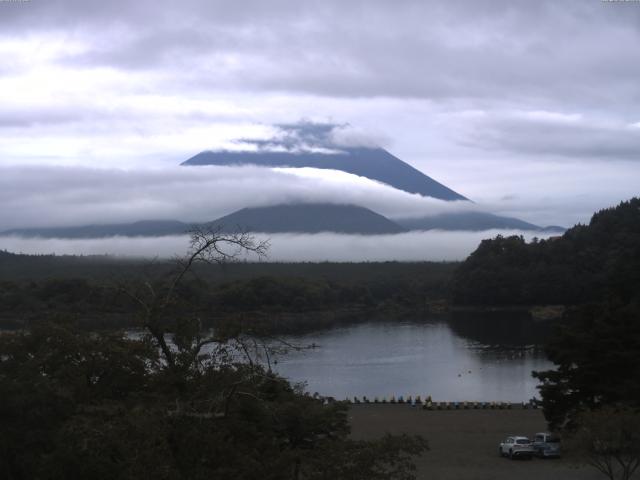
pixel 574 51
pixel 548 133
pixel 22 118
pixel 143 84
pixel 148 49
pixel 310 135
pixel 416 246
pixel 296 136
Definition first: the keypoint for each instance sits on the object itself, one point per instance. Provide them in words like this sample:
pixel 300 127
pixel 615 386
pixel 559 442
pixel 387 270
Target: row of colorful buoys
pixel 467 405
pixel 409 400
pixel 429 404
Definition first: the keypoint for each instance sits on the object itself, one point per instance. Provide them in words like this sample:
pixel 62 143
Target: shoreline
pixel 539 313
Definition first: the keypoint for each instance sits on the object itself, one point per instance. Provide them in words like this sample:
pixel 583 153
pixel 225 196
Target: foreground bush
pixel 76 404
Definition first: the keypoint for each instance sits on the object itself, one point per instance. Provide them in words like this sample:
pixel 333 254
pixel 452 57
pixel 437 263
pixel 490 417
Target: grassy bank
pixel 464 443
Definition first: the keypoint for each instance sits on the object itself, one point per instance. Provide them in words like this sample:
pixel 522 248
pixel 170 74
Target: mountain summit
pixel 373 163
pixel 309 218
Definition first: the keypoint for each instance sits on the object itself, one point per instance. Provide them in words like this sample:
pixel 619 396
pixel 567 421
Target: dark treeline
pixel 589 262
pixel 270 292
pixel 105 268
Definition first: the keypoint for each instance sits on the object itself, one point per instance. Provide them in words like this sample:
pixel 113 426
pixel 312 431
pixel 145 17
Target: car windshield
pixel 522 441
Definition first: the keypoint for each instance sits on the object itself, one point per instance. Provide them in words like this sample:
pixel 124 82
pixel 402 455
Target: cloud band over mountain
pixel 67 196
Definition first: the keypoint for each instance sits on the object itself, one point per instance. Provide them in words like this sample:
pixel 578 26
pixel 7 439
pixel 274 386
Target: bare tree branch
pixel 209 244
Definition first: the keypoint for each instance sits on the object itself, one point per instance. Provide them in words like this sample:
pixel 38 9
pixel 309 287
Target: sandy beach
pixel 464 443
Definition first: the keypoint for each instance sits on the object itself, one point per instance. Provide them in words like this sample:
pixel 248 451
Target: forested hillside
pixel 588 263
pixel 90 289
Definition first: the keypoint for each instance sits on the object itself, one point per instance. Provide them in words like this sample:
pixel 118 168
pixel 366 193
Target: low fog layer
pixel 412 246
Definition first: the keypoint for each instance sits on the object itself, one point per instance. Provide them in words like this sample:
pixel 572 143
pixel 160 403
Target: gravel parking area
pixel 464 443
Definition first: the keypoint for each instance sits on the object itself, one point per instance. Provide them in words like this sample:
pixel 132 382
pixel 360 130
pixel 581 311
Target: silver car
pixel 546 445
pixel 516 447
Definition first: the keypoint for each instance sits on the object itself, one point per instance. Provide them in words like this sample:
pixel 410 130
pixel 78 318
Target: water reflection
pixel 501 334
pixel 500 329
pixel 464 358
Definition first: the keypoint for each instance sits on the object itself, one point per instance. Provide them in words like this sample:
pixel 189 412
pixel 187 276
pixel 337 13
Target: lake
pixel 458 357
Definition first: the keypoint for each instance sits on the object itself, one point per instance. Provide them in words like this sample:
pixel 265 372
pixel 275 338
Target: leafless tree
pixel 209 245
pixel 185 347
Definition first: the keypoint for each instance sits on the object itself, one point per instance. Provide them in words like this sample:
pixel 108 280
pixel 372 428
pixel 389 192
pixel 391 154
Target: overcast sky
pixel 530 108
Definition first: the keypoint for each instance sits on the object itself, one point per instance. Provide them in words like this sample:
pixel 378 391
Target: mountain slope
pixel 309 218
pixel 474 221
pixel 374 163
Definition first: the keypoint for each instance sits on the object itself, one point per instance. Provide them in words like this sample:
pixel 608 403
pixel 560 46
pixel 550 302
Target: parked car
pixel 516 447
pixel 546 445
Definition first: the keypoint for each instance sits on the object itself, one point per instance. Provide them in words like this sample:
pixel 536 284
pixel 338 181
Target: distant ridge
pixel 137 229
pixel 297 218
pixel 373 163
pixel 472 221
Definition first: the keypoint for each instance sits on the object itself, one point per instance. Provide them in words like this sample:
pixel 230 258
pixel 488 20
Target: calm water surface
pixel 460 358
